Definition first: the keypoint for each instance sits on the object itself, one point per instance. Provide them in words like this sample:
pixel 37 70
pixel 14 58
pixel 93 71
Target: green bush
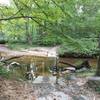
pixel 3 72
pixel 51 40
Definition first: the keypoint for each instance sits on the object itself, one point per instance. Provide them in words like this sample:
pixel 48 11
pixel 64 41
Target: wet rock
pixel 95 78
pixel 82 70
pixel 56 96
pixel 94 82
pixel 61 82
pixel 81 97
pixel 42 89
pixel 81 82
pixel 71 77
pixel 4 98
pixel 45 79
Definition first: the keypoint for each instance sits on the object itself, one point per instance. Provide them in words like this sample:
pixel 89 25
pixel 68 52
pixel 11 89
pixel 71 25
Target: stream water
pixel 43 64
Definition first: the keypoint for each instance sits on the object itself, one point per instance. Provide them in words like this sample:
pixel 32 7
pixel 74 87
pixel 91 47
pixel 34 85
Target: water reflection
pixel 40 66
pixel 32 67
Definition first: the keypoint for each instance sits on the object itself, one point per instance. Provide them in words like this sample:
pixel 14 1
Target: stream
pixel 44 85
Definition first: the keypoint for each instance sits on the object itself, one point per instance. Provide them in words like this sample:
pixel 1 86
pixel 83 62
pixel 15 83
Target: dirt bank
pixel 15 90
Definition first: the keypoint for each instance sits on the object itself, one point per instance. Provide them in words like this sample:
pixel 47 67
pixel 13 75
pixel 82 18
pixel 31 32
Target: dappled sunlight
pixel 5 2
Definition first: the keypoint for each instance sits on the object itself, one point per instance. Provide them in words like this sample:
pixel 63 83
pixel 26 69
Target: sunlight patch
pixel 5 2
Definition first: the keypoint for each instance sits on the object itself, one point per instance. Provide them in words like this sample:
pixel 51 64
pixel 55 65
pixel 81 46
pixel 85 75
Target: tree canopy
pixel 73 24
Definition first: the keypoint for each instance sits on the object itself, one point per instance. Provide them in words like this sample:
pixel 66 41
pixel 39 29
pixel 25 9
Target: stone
pixel 80 97
pixel 45 79
pixel 71 77
pixel 56 96
pixel 94 82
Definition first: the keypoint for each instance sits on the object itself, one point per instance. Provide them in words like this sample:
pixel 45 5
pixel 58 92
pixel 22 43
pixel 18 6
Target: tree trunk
pixel 98 64
pixel 28 35
pixel 98 67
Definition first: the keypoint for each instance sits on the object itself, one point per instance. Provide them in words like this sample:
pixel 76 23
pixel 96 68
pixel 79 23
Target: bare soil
pixel 69 90
pixel 15 90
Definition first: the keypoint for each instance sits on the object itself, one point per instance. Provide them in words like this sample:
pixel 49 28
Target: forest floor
pixel 69 90
pixel 15 90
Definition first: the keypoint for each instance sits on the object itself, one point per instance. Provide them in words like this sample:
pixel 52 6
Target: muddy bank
pixel 77 61
pixel 78 55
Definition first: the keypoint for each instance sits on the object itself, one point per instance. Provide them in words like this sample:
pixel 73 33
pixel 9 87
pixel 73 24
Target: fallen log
pixel 85 64
pixel 4 60
pixel 66 63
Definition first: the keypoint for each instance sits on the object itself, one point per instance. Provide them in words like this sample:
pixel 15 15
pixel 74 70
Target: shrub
pixel 51 40
pixel 3 72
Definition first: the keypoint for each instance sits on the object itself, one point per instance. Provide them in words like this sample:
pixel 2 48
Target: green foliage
pixel 87 73
pixel 51 40
pixel 3 72
pixel 97 89
pixel 73 24
pixel 12 74
pixel 19 46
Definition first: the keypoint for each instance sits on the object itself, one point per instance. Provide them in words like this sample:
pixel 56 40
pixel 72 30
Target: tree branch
pixel 66 13
pixel 11 58
pixel 40 8
pixel 16 13
pixel 17 17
